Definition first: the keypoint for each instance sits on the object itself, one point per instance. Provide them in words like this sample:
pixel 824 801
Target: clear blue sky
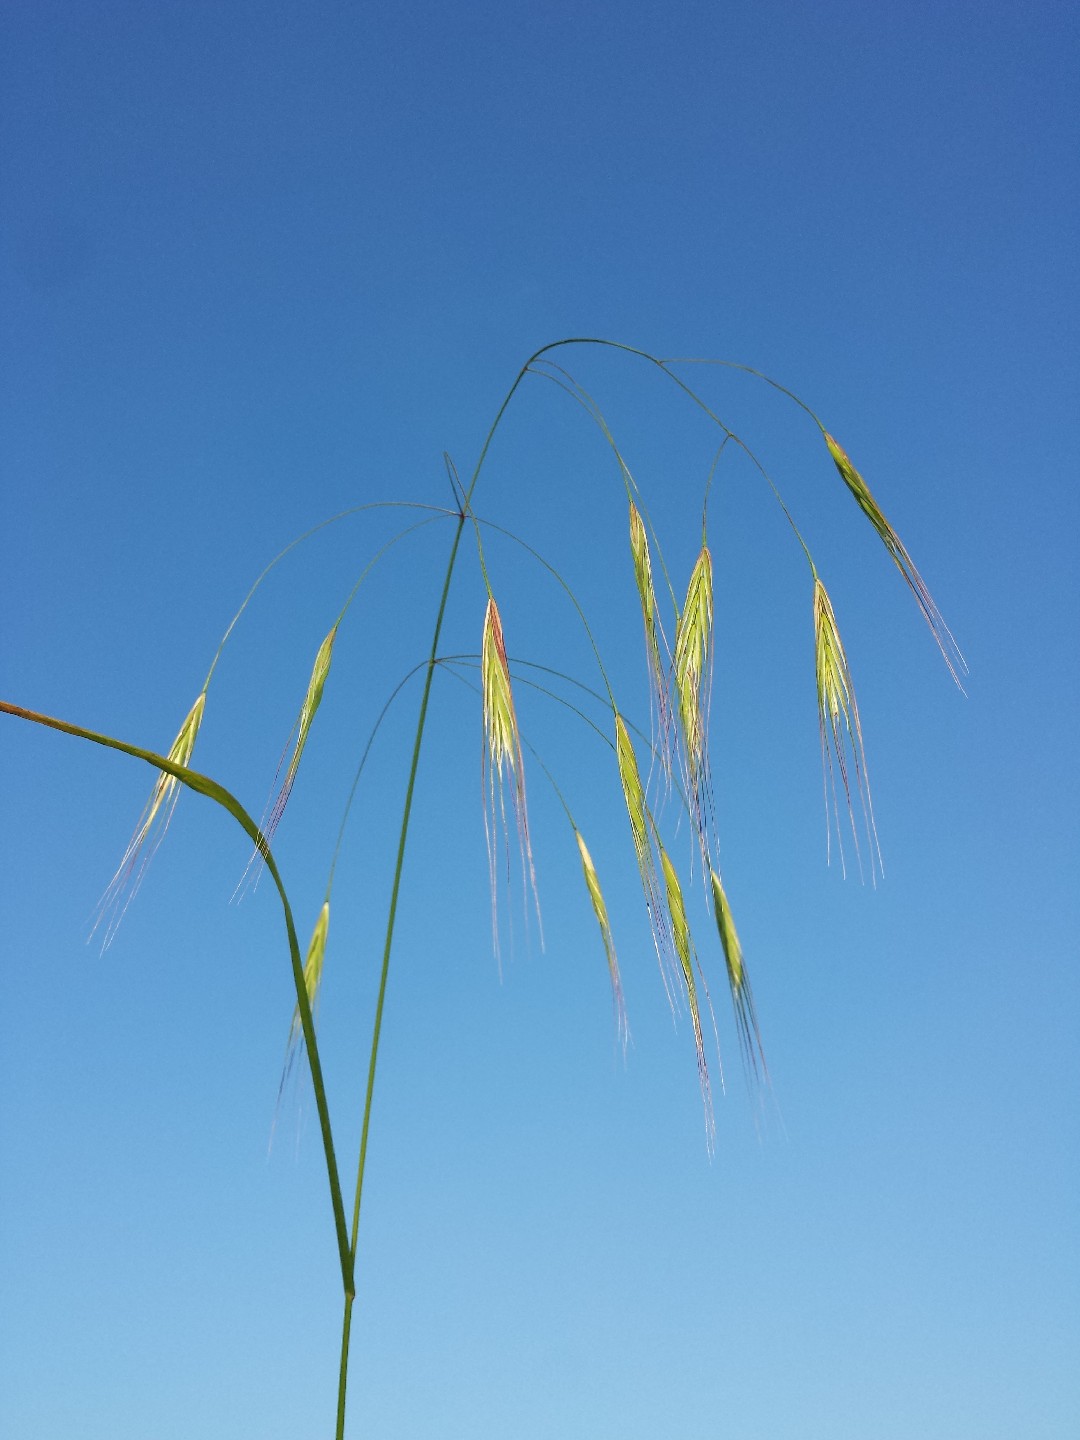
pixel 261 262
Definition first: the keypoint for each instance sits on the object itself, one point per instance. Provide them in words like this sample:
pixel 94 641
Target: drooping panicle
pixel 151 828
pixel 891 540
pixel 596 896
pixel 842 752
pixel 502 759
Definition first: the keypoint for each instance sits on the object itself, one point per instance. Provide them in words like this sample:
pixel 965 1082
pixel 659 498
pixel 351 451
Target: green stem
pixel 387 947
pixel 395 891
pixel 343 1370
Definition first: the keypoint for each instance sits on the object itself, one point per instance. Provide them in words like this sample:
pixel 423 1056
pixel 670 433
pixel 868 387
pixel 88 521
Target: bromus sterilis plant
pixel 662 768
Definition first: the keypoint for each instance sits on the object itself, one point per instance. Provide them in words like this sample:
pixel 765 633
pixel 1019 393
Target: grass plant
pixel 672 787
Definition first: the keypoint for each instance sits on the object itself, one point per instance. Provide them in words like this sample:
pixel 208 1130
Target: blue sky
pixel 261 263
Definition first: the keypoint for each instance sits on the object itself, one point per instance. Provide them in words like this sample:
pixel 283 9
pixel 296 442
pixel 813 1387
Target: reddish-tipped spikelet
pixel 151 828
pixel 502 758
pixel 643 580
pixel 891 540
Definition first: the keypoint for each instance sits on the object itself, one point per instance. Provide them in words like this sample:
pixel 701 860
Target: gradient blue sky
pixel 262 262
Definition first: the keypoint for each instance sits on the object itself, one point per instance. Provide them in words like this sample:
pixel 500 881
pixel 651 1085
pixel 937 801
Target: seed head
pixel 643 579
pixel 687 957
pixel 592 883
pixel 891 540
pixel 693 686
pixel 313 969
pixel 502 759
pixel 302 728
pixel 150 830
pixel 641 831
pixel 841 730
pixel 738 980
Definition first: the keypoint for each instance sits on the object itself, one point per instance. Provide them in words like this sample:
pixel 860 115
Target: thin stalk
pixel 387 947
pixel 322 525
pixel 346 1331
pixel 343 1371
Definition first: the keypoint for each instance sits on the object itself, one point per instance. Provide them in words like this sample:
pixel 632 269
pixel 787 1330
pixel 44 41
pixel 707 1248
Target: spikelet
pixel 302 729
pixel 868 505
pixel 684 950
pixel 592 883
pixel 638 810
pixel 501 757
pixel 693 685
pixel 841 730
pixel 150 830
pixel 643 579
pixel 313 969
pixel 738 980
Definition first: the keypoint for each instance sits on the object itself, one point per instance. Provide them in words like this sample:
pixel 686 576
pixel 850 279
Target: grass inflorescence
pixel 674 785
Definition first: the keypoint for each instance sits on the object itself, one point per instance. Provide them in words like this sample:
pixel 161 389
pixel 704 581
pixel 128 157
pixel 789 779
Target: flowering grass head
pixel 738 980
pixel 686 954
pixel 600 910
pixel 313 970
pixel 302 729
pixel 643 580
pixel 151 828
pixel 641 830
pixel 842 752
pixel 898 550
pixel 693 684
pixel 502 757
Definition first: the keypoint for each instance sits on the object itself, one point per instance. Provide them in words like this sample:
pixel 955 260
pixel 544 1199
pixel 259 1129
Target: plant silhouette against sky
pixel 663 765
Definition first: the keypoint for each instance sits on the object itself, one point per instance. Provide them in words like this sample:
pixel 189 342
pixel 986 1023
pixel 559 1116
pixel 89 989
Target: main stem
pixel 346 1325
